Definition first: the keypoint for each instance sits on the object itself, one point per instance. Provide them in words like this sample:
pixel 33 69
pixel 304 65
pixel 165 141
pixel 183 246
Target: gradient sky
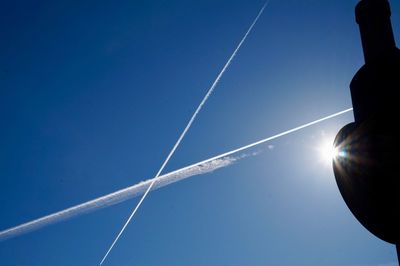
pixel 93 95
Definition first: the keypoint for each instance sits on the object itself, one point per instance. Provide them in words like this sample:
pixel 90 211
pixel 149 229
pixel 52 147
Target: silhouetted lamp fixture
pixel 367 167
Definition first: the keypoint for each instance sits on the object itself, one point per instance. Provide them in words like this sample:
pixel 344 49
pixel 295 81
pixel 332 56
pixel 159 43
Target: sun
pixel 327 151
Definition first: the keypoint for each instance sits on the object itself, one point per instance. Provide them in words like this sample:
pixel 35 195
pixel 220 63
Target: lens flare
pixel 328 152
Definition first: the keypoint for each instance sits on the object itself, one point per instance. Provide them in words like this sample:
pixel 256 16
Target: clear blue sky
pixel 94 94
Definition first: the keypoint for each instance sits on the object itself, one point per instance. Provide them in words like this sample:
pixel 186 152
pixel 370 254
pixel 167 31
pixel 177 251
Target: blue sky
pixel 93 95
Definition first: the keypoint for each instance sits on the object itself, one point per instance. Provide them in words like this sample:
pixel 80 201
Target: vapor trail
pixel 203 167
pixel 119 196
pixel 210 90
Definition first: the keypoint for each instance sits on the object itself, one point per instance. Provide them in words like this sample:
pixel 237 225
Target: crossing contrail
pixel 189 124
pixel 203 167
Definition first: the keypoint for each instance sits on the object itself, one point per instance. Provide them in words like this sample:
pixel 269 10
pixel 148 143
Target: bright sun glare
pixel 327 151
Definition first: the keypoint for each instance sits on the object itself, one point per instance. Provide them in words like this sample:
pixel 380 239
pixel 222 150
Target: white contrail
pixel 189 124
pixel 205 166
pixel 119 196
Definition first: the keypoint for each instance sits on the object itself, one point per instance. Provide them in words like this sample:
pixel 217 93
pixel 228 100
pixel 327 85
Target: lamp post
pixel 367 168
